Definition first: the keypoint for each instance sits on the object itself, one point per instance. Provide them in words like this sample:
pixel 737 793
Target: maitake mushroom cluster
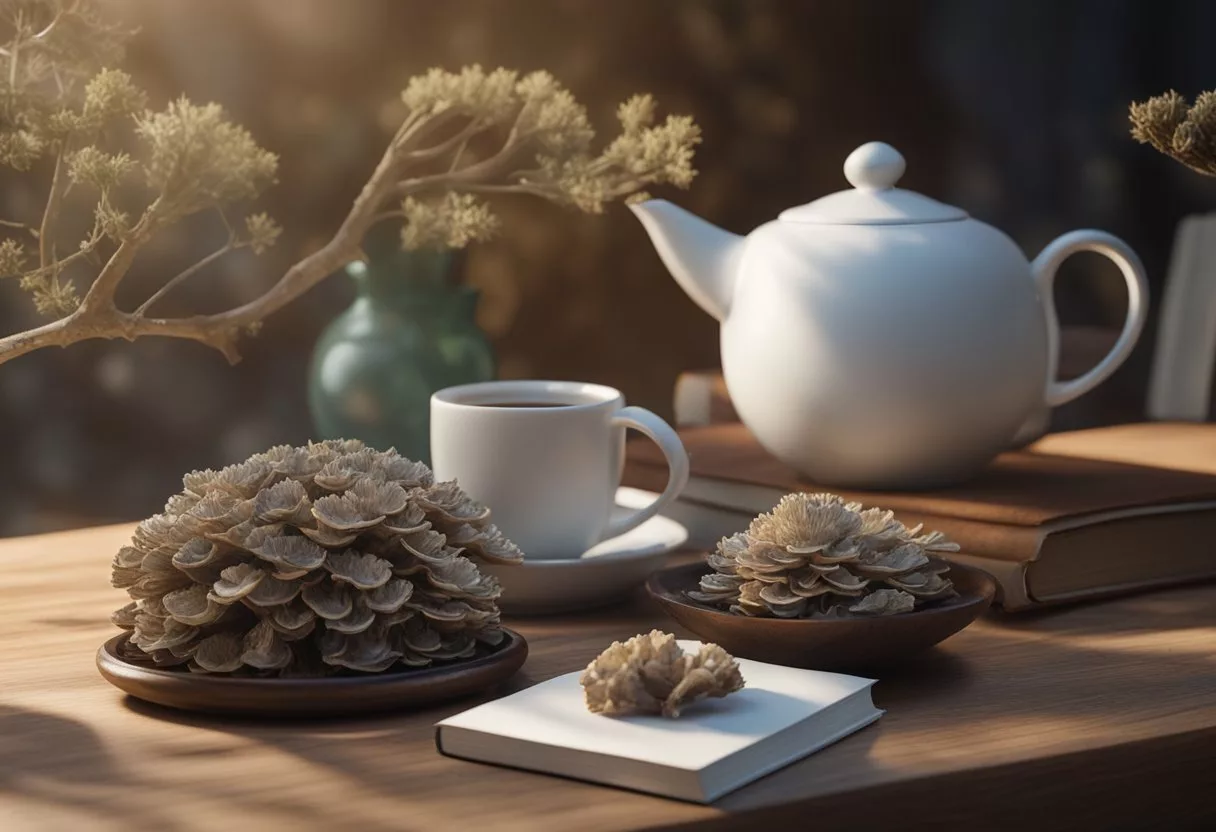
pixel 651 674
pixel 816 556
pixel 305 561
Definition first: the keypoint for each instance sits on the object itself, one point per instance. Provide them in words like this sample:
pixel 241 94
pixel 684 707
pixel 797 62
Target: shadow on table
pixel 61 764
pixel 1173 608
pixel 50 759
pixel 393 755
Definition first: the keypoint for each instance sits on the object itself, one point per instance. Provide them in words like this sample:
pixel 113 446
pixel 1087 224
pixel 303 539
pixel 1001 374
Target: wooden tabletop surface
pixel 1098 716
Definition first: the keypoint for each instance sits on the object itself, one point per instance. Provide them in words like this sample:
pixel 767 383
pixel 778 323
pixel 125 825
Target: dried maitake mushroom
pixel 305 561
pixel 815 556
pixel 650 674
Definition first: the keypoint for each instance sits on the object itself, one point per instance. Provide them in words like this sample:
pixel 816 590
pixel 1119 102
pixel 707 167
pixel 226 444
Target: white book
pixel 715 746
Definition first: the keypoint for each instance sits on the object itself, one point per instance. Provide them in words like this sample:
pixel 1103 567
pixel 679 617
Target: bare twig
pixel 58 266
pixel 49 27
pixel 186 274
pixel 12 58
pixel 46 242
pixel 459 139
pixel 99 300
pixel 232 244
pixel 417 128
pixel 388 215
pixel 227 225
pixel 456 157
pixel 20 225
pixel 533 188
pixel 486 171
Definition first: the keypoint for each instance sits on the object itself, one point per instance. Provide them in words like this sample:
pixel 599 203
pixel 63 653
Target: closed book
pixel 715 746
pixel 1051 525
pixel 701 398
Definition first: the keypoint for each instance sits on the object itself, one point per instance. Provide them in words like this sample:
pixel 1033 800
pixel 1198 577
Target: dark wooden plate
pixel 846 645
pixel 333 696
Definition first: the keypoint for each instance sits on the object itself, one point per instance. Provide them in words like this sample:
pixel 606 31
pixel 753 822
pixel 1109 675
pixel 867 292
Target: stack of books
pixel 1074 516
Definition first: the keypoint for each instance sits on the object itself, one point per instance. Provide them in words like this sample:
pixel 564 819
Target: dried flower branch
pixel 466 135
pixel 1182 131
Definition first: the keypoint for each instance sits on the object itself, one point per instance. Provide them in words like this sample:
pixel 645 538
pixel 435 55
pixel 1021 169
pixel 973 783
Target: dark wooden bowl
pixel 327 697
pixel 860 644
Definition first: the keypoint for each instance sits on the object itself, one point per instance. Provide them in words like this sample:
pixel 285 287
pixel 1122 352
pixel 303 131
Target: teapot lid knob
pixel 872 170
pixel 875 166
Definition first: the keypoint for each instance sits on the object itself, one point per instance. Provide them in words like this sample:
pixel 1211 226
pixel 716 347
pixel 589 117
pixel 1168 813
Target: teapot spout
pixel 701 257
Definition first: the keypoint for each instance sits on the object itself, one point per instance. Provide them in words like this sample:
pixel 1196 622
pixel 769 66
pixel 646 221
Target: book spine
pixel 1018 544
pixel 995 541
pixel 701 398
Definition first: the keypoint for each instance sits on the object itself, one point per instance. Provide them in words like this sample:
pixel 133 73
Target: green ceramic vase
pixel 411 331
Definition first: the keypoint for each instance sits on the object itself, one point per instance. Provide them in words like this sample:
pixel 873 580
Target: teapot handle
pixel 1044 268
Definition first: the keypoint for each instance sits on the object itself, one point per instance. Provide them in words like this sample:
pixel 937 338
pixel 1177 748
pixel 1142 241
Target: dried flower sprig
pixel 545 150
pixel 466 135
pixel 1184 132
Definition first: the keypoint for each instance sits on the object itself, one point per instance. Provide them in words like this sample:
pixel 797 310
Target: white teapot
pixel 877 338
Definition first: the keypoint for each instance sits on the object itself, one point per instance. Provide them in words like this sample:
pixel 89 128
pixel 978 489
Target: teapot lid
pixel 872 170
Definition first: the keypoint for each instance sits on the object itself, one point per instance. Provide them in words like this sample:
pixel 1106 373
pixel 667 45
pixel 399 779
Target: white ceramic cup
pixel 549 469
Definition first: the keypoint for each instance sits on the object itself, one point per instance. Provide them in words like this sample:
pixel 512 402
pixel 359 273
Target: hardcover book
pixel 715 746
pixel 1076 515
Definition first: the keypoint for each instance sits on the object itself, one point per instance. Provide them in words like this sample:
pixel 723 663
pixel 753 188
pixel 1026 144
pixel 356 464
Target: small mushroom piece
pixel 652 674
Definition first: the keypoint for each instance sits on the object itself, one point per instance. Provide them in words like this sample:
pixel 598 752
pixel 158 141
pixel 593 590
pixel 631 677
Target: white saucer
pixel 603 574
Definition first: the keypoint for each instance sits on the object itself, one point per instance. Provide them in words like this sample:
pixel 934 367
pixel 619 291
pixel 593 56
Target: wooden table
pixel 1100 716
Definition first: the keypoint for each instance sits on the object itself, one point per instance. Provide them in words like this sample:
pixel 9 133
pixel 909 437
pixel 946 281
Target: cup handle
pixel 1044 268
pixel 662 434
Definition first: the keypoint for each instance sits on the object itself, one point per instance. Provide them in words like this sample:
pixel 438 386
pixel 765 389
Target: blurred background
pixel 1015 110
